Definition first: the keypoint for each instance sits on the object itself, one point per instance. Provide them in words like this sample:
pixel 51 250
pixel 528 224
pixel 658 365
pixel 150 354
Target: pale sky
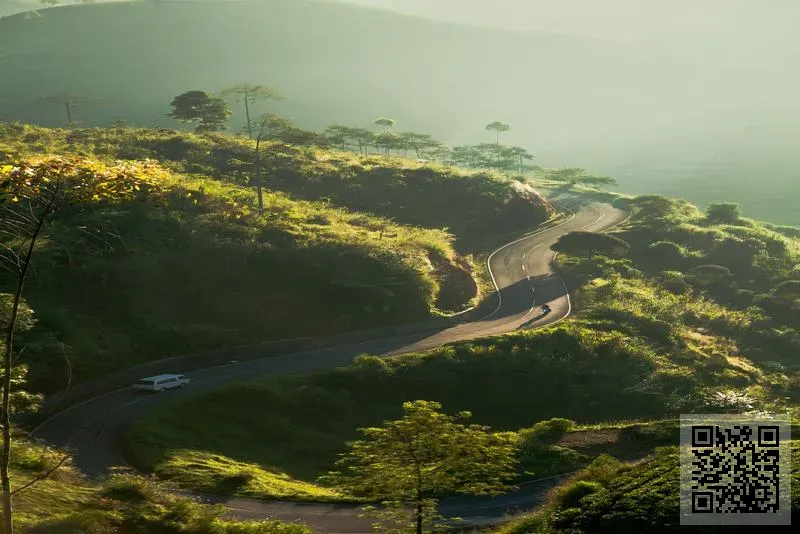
pixel 707 19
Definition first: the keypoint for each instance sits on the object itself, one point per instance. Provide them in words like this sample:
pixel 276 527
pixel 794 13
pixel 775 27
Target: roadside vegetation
pixel 196 266
pixel 63 501
pixel 640 351
pixel 613 497
pixel 728 283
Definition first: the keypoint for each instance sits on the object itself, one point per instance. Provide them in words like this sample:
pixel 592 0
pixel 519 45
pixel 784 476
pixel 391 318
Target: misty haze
pixel 399 266
pixel 691 99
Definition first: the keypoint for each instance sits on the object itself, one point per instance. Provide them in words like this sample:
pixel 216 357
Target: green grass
pixel 470 204
pixel 66 502
pixel 573 371
pixel 199 268
pixel 636 355
pixel 623 498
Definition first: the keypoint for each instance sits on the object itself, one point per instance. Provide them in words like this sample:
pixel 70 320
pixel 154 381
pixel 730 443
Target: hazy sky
pixel 768 20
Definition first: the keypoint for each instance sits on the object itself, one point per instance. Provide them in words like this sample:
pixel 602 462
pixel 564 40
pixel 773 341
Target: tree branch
pixel 43 475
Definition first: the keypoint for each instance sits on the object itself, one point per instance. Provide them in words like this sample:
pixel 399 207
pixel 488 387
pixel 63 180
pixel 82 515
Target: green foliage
pixel 385 122
pixel 581 243
pixel 575 176
pixel 133 235
pixel 479 203
pixel 572 496
pixel 423 454
pixel 128 503
pixel 194 106
pixel 304 422
pixel 723 213
pixel 612 497
pixel 64 501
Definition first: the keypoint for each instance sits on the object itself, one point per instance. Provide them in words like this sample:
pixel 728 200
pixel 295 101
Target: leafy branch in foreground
pixel 408 463
pixel 31 192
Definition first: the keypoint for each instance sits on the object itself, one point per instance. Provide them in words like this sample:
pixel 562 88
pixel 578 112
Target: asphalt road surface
pixel 523 274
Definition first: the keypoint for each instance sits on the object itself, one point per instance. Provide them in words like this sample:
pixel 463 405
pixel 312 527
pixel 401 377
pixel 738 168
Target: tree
pixel 440 152
pixel 385 122
pixel 339 135
pixel 467 156
pixel 575 175
pixel 388 141
pixel 498 127
pixel 364 138
pixel 418 142
pixel 267 121
pixel 69 101
pixel 582 243
pixel 250 94
pixel 424 454
pixel 193 106
pixel 521 156
pixel 272 126
pixel 31 192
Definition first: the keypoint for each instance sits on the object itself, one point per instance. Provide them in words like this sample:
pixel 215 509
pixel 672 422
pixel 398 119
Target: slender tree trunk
pixel 259 173
pixel 247 114
pixel 5 458
pixel 260 195
pixel 419 516
pixel 68 107
pixel 498 148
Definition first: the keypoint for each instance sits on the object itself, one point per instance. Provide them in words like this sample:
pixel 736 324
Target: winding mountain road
pixel 523 275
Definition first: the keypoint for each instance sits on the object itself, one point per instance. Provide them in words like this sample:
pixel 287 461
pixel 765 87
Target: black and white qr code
pixel 732 466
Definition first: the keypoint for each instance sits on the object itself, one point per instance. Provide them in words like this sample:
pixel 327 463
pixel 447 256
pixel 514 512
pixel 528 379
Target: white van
pixel 162 382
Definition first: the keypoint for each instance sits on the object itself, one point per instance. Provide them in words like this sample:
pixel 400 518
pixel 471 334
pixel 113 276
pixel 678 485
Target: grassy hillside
pixel 611 497
pixel 66 502
pixel 643 348
pixel 471 205
pixel 190 265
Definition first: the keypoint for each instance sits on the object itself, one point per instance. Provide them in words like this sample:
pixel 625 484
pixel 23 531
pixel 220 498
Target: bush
pixel 572 495
pixel 666 253
pixel 547 431
pixel 723 213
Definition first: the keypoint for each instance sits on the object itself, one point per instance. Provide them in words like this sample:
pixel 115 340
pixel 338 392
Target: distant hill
pixel 10 7
pixel 573 100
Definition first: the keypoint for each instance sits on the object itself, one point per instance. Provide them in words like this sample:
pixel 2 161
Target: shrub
pixel 723 213
pixel 572 495
pixel 666 253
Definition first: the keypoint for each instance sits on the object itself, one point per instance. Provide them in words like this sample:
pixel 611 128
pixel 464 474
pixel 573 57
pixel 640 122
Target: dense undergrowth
pixel 115 284
pixel 610 496
pixel 190 264
pixel 576 372
pixel 640 350
pixel 730 286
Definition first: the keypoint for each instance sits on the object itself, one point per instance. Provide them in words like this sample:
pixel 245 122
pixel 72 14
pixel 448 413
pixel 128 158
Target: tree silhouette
pixel 521 155
pixel 389 141
pixel 498 127
pixel 385 122
pixel 69 101
pixel 193 106
pixel 250 94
